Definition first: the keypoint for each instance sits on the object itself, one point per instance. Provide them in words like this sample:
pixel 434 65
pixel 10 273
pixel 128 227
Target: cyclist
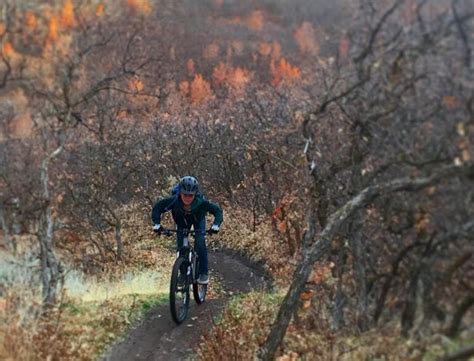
pixel 189 208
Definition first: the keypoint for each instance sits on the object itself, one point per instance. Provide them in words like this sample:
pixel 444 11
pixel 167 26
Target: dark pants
pixel 199 226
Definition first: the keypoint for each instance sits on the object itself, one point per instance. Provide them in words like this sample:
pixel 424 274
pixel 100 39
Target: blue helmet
pixel 188 185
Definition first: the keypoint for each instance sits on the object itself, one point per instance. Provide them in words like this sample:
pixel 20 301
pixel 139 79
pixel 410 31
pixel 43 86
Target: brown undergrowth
pixel 92 309
pixel 260 245
pixel 246 322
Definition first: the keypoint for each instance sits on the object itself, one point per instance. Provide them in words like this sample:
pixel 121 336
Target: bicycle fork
pixel 190 255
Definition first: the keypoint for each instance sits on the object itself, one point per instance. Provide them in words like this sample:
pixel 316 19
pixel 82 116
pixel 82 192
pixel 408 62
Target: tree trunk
pixel 463 354
pixel 339 301
pixel 430 308
pixel 360 272
pixel 291 299
pixel 411 304
pixel 49 263
pixel 461 310
pixel 118 240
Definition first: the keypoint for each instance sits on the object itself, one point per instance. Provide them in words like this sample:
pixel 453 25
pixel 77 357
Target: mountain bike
pixel 183 276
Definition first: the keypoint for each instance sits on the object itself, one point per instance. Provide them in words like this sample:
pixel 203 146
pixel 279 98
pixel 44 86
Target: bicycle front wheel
pixel 199 291
pixel 179 291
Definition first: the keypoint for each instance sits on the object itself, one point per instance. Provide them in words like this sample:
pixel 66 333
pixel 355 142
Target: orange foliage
pixel 184 87
pixel 136 85
pixel 190 67
pixel 466 156
pixel 211 51
pixel 200 90
pixel 282 71
pixel 100 9
pixel 3 29
pixel 53 29
pixel 276 50
pixel 8 49
pixel 306 295
pixel 255 20
pixel 422 222
pixel 306 39
pixel 220 73
pixel 238 78
pixel 265 49
pixel 22 126
pixel 320 273
pixel 344 47
pixel 282 226
pixel 31 21
pixel 141 6
pixel 237 20
pixel 238 47
pixel 273 49
pixel 67 15
pixel 451 102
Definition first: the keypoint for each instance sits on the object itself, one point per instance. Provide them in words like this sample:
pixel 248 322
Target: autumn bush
pixel 262 245
pixel 244 325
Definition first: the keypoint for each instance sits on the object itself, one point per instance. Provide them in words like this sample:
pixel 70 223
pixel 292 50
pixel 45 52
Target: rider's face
pixel 187 198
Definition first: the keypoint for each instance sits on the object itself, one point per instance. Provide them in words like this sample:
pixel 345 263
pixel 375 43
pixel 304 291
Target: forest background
pixel 338 137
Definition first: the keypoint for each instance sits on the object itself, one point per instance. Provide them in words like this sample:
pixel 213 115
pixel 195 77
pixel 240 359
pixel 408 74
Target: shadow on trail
pixel 159 338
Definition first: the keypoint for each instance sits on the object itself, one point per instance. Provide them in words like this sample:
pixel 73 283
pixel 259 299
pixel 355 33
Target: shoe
pixel 203 279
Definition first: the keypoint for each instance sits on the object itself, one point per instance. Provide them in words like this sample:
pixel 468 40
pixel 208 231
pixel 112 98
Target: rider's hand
pixel 214 228
pixel 157 228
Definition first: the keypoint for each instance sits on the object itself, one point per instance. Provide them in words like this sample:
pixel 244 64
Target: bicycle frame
pixel 185 256
pixel 190 254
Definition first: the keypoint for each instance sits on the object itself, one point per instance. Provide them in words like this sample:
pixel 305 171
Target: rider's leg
pixel 201 247
pixel 181 226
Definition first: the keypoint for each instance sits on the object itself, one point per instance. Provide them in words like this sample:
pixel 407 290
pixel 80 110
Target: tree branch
pixel 323 244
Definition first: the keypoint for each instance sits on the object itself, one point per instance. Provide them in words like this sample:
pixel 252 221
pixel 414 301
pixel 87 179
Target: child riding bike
pixel 189 208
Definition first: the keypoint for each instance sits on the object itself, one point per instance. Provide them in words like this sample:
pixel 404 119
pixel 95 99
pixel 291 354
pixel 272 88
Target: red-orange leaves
pixel 283 71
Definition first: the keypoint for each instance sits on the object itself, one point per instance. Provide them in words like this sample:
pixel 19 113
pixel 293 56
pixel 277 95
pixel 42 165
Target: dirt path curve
pixel 159 338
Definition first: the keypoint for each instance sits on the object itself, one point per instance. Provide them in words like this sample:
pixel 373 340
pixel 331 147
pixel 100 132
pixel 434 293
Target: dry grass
pixel 244 325
pixel 92 312
pixel 74 331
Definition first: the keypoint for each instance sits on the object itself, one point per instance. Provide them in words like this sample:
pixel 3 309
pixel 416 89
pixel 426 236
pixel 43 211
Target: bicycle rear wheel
pixel 199 291
pixel 179 293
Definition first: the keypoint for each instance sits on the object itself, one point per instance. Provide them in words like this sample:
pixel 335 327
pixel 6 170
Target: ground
pixel 159 338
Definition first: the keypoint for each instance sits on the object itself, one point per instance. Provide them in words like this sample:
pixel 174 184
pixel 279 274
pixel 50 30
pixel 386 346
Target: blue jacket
pixel 199 208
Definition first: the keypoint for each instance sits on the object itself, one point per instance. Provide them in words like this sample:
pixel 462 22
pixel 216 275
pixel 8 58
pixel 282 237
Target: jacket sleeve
pixel 159 208
pixel 216 211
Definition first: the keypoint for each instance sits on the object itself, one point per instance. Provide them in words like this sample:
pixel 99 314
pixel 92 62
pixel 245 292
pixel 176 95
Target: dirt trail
pixel 159 338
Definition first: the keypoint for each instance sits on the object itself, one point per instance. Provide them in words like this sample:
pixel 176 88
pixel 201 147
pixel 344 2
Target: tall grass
pixel 92 311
